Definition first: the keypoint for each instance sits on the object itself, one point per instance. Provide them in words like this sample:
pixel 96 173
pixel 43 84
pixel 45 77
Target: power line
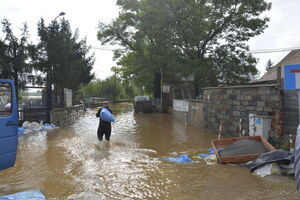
pixel 105 48
pixel 102 49
pixel 279 36
pixel 261 51
pixel 258 51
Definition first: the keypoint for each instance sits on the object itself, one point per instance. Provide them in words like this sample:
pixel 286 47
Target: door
pixel 8 124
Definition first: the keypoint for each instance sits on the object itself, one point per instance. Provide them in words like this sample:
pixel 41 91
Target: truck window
pixel 5 99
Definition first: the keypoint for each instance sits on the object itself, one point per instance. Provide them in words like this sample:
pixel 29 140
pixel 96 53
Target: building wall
pixel 65 116
pixel 189 112
pixel 234 103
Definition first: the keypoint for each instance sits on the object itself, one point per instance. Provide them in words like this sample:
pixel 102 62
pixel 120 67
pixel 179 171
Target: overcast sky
pixel 283 30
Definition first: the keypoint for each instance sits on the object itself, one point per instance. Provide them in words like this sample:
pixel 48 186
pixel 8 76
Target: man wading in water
pixel 104 127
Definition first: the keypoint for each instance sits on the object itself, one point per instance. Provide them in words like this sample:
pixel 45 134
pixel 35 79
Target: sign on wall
pixel 166 89
pixel 292 77
pixel 68 97
pixel 180 105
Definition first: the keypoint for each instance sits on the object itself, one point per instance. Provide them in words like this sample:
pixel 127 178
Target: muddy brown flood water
pixel 71 164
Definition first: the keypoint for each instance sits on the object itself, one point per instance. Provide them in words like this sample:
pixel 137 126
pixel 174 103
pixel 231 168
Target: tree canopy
pixel 62 55
pixel 15 56
pixel 112 88
pixel 206 38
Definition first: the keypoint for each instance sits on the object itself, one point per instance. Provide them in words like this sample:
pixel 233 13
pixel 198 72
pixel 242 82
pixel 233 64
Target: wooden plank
pixel 267 145
pixel 216 151
pixel 227 141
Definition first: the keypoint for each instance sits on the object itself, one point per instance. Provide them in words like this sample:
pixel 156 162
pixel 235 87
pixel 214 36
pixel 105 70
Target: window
pixel 5 100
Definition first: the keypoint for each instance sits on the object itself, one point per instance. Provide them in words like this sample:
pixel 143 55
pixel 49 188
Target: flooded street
pixel 71 164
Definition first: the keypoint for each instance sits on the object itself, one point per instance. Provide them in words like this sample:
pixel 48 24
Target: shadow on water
pixel 71 163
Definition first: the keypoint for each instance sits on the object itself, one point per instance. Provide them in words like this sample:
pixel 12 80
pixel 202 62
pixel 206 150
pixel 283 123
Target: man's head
pixel 106 104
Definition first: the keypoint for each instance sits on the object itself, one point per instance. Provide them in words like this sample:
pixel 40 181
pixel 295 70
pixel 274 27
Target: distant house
pixel 291 59
pixel 290 97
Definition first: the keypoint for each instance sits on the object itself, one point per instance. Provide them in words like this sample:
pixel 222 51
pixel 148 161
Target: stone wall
pixel 189 112
pixel 234 103
pixel 65 116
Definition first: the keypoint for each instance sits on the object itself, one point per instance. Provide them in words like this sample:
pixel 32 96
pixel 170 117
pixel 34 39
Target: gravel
pixel 243 147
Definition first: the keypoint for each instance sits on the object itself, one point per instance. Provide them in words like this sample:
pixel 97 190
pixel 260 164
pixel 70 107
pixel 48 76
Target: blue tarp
pixel 28 195
pixel 211 151
pixel 204 155
pixel 179 159
pixel 20 131
pixel 185 158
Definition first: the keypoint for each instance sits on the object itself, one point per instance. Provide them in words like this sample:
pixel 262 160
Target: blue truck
pixel 9 118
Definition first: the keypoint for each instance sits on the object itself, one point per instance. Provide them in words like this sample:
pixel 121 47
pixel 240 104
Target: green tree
pixel 270 65
pixel 205 38
pixel 63 57
pixel 15 56
pixel 109 88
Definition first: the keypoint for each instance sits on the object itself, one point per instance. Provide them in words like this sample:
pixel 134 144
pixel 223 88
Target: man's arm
pixel 98 113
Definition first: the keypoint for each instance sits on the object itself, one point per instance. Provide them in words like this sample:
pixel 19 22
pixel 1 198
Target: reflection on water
pixel 72 164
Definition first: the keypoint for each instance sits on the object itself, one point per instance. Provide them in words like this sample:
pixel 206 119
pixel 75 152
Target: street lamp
pixel 60 14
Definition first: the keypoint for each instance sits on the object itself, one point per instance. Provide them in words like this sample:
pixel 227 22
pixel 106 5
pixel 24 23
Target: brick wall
pixel 234 103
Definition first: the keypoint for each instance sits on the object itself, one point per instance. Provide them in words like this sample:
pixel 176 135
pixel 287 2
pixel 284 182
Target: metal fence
pixel 33 111
pixel 33 114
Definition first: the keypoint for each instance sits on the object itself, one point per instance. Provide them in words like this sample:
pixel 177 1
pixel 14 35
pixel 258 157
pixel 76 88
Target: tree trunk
pixel 196 84
pixel 48 98
pixel 157 85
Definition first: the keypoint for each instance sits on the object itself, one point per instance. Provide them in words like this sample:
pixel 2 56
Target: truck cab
pixel 143 104
pixel 8 124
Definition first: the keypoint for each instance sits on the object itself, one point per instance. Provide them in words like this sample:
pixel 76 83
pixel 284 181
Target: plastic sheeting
pixel 34 127
pixel 28 195
pixel 179 159
pixel 106 115
pixel 264 171
pixel 284 159
pixel 211 151
pixel 20 131
pixel 209 158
